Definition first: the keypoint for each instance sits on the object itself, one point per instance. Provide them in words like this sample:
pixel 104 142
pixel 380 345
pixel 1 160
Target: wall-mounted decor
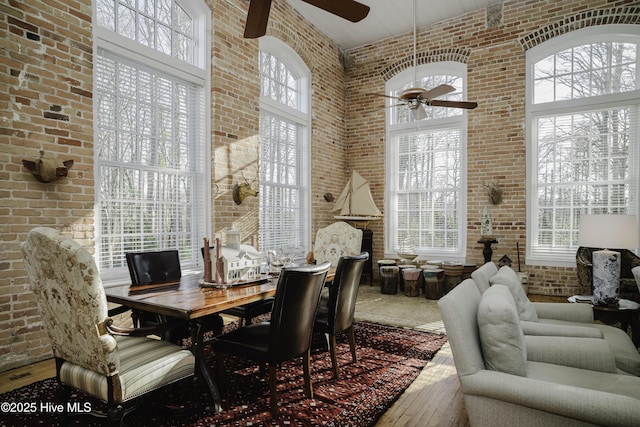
pixel 243 190
pixel 48 169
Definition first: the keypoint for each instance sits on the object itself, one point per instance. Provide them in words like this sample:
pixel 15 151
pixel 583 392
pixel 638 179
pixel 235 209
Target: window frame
pixel 395 130
pixel 565 257
pixel 194 73
pixel 301 116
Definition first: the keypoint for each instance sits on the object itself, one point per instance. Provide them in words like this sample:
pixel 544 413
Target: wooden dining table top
pixel 188 300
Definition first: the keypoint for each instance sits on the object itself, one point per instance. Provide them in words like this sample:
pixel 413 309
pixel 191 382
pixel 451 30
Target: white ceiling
pixel 386 18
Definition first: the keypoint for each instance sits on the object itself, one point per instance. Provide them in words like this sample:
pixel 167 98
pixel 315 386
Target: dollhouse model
pixel 237 262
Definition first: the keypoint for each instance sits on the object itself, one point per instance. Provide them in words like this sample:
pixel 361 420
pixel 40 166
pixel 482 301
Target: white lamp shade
pixel 608 231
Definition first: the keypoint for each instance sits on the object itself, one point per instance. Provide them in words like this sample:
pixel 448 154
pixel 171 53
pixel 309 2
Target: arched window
pixel 583 150
pixel 426 164
pixel 150 104
pixel 284 147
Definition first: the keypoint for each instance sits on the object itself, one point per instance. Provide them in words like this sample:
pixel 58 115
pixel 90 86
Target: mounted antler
pixel 243 190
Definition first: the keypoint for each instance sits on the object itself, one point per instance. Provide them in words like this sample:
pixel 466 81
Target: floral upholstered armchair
pixel 336 240
pixel 91 354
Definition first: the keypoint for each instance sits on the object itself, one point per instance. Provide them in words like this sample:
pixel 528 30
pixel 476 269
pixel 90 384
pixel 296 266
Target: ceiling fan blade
pixel 383 95
pixel 419 113
pixel 348 9
pixel 257 18
pixel 455 104
pixel 438 91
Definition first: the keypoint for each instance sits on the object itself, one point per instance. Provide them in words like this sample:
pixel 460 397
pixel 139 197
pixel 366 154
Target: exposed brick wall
pixel 492 43
pixel 45 103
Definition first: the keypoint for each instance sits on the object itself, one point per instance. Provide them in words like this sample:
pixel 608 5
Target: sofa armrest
pixel 585 353
pixel 572 312
pixel 589 406
pixel 554 330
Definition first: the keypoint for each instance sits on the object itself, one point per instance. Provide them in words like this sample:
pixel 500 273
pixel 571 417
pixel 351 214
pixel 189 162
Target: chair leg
pixel 306 367
pixel 220 372
pixel 352 342
pixel 334 356
pixel 273 390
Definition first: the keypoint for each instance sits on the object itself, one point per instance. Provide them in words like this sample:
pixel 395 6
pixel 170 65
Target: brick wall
pixel 492 43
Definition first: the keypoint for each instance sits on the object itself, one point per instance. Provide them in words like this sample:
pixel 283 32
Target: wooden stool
pixel 389 279
pixel 411 278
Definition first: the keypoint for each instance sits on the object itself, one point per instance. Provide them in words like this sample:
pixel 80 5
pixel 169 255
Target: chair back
pixel 152 268
pixel 344 291
pixel 71 300
pixel 459 311
pixel 336 240
pixel 294 310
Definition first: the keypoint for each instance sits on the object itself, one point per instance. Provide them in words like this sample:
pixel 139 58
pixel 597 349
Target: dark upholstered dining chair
pixel 162 268
pixel 247 312
pixel 288 333
pixel 91 354
pixel 337 316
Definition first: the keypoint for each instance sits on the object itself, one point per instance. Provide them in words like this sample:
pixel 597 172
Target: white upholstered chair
pixel 91 354
pixel 336 240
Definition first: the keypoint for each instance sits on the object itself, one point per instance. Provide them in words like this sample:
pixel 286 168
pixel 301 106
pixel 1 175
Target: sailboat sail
pixel 355 201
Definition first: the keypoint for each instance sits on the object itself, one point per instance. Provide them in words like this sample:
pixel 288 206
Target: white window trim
pixel 615 32
pixel 197 73
pixel 302 116
pixel 393 130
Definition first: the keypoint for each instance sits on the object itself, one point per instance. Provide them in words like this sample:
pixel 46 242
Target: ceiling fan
pixel 258 15
pixel 416 98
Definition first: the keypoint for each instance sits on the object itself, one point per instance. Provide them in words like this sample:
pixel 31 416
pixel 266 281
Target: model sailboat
pixel 355 202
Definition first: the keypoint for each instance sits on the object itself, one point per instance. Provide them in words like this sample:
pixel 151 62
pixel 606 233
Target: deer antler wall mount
pixel 243 190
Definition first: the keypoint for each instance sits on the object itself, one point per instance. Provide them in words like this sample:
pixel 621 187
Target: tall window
pixel 150 130
pixel 426 203
pixel 583 108
pixel 284 142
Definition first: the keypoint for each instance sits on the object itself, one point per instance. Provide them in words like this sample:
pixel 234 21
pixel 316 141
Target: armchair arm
pixel 589 406
pixel 585 353
pixel 555 330
pixel 572 312
pixel 107 327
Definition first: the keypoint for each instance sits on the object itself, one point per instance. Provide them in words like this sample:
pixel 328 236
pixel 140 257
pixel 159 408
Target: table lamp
pixel 609 232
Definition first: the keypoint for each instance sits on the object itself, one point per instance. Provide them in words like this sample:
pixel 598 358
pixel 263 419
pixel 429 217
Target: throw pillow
pixel 501 337
pixel 481 276
pixel 507 277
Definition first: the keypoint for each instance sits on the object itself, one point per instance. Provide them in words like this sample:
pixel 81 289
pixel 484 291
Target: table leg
pixel 202 370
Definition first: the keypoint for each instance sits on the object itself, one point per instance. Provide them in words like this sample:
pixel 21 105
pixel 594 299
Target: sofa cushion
pixel 507 277
pixel 482 275
pixel 501 337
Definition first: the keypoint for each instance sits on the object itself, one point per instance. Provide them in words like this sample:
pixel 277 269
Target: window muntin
pixel 150 148
pixel 278 82
pixel 284 154
pixel 429 185
pixel 584 139
pixel 426 184
pixel 584 71
pixel 163 25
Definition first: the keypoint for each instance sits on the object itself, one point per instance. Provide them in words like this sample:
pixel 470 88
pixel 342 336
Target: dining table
pixel 193 300
pixel 189 300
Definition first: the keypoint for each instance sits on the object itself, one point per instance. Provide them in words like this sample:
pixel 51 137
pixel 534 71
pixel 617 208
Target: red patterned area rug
pixel 389 360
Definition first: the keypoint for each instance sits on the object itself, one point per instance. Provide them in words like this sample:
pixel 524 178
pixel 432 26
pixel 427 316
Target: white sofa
pixel 559 319
pixel 508 379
